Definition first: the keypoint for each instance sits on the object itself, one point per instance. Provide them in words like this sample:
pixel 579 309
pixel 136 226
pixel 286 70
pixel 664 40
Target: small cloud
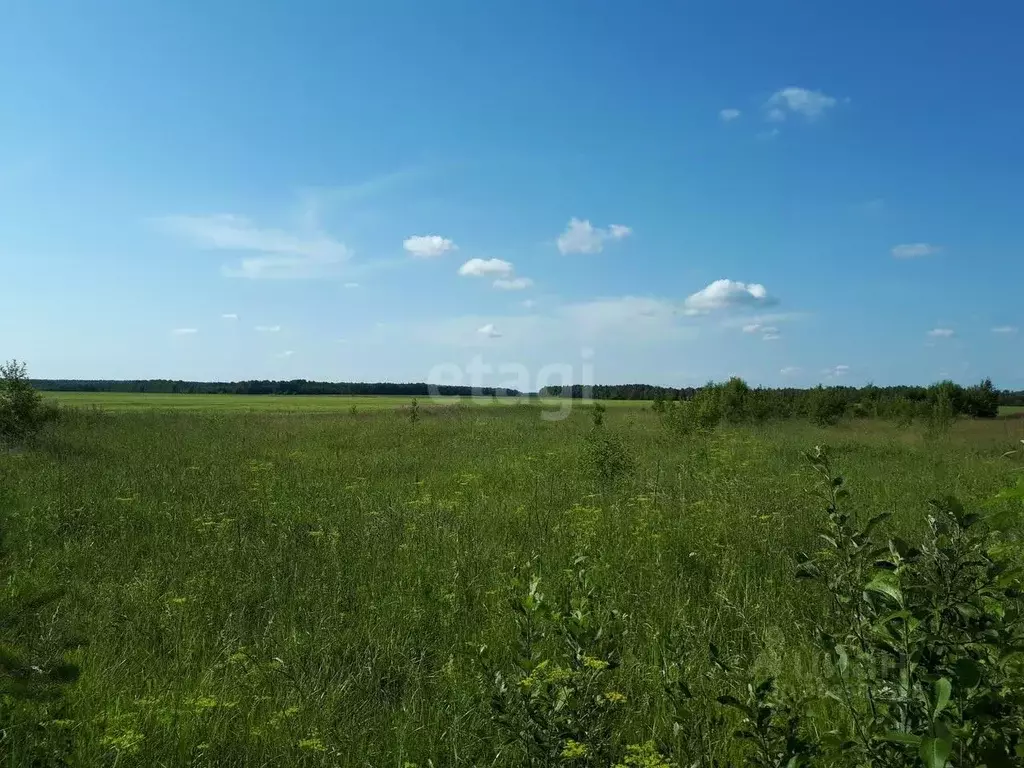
pixel 800 101
pixel 428 246
pixel 489 331
pixel 1004 329
pixel 185 331
pixel 229 316
pixel 286 353
pixel 914 250
pixel 941 333
pixel 836 371
pixel 486 268
pixel 268 328
pixel 768 135
pixel 513 284
pixel 728 115
pixel 529 303
pixel 583 237
pixel 725 294
pixel 351 285
pixel 752 328
pixel 790 370
pixel 770 334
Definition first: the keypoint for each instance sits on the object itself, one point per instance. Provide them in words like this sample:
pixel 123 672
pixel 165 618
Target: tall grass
pixel 317 589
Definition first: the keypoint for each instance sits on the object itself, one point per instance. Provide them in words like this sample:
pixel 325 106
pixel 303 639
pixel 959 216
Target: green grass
pixel 1008 410
pixel 122 401
pixel 312 587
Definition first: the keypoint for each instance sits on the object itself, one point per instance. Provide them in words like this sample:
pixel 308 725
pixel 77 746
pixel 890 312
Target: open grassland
pixel 123 401
pixel 317 588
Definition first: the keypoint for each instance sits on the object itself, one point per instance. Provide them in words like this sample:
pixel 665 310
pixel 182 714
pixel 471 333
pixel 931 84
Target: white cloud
pixel 790 370
pixel 229 316
pixel 1004 329
pixel 286 353
pixel 801 101
pixel 941 333
pixel 836 371
pixel 728 115
pixel 185 331
pixel 486 268
pixel 351 285
pixel 914 250
pixel 583 237
pixel 513 284
pixel 724 294
pixel 286 255
pixel 762 321
pixel 771 334
pixel 428 246
pixel 489 331
pixel 268 328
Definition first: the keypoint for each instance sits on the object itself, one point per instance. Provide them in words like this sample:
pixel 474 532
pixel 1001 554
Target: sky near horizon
pixel 666 192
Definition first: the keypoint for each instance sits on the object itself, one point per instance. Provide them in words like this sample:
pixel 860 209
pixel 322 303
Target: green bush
pixel 22 410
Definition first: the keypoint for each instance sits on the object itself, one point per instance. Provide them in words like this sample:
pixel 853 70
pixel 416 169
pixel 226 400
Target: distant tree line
pixel 264 387
pixel 740 402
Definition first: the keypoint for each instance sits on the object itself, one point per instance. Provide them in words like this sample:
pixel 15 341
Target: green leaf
pixel 968 674
pixel 935 751
pixel 886 584
pixel 942 689
pixel 876 520
pixel 842 660
pixel 901 737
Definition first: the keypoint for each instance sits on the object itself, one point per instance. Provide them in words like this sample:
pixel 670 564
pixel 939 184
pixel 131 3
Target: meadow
pixel 285 584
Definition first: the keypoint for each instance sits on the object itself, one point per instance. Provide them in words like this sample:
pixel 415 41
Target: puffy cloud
pixel 268 328
pixel 428 246
pixel 583 237
pixel 229 316
pixel 914 250
pixel 941 333
pixel 486 268
pixel 801 101
pixel 752 328
pixel 286 255
pixel 489 331
pixel 513 284
pixel 728 115
pixel 185 331
pixel 725 294
pixel 1004 329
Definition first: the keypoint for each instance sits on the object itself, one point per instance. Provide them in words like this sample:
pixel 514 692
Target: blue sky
pixel 369 191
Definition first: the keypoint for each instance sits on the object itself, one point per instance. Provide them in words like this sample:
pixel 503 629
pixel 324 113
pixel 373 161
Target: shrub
pixel 825 407
pixel 924 642
pixel 22 410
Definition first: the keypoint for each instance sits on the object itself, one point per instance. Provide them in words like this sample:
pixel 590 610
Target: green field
pixel 118 401
pixel 321 588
